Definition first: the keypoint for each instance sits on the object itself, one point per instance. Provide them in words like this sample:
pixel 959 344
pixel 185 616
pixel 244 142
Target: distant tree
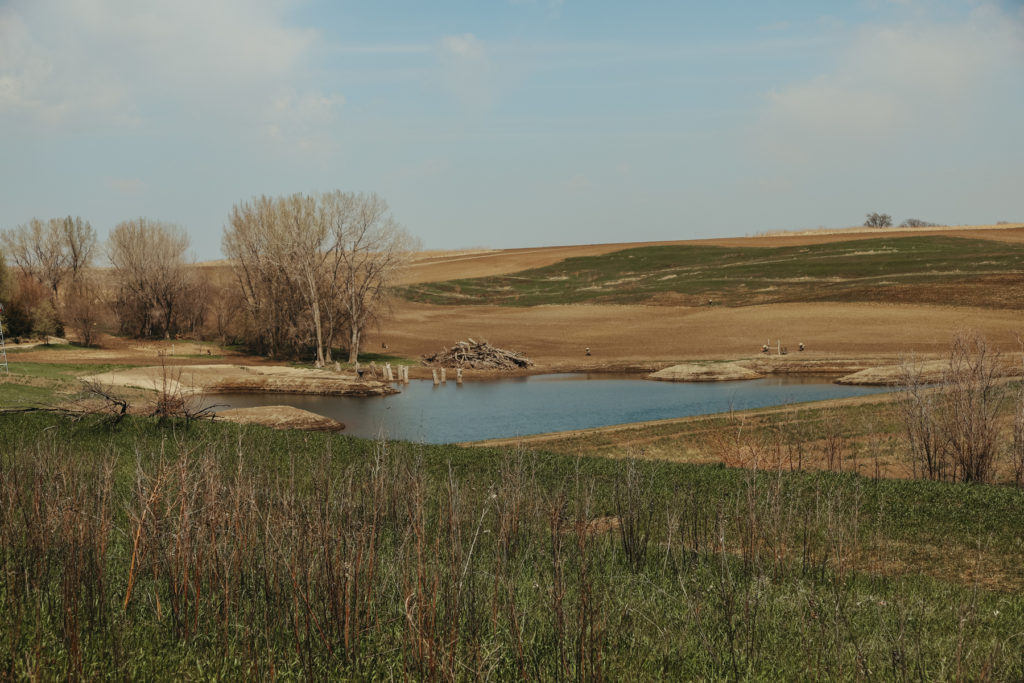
pixel 917 223
pixel 151 274
pixel 5 280
pixel 84 308
pixel 52 252
pixel 44 320
pixel 878 220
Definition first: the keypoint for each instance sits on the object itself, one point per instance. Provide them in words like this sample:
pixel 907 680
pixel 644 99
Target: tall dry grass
pixel 177 555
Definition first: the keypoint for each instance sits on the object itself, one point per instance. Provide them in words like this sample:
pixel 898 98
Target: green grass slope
pixel 910 269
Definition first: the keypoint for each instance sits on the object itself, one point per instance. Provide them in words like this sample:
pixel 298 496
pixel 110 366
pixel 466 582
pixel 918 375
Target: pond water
pixel 542 403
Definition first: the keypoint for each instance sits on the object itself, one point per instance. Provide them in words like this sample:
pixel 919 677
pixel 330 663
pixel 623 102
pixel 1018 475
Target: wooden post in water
pixel 373 368
pixel 458 375
pixel 433 371
pixel 387 373
pixel 404 372
pixel 444 376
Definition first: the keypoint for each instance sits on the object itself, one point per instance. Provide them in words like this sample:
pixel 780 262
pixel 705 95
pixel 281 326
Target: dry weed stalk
pixel 952 428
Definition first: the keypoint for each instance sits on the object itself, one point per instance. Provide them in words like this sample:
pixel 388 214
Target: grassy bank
pixel 932 269
pixel 45 384
pixel 148 550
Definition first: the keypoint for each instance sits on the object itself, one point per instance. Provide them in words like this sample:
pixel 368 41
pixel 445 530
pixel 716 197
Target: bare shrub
pixel 174 399
pixel 953 428
pixel 973 397
pixel 918 408
pixel 1017 444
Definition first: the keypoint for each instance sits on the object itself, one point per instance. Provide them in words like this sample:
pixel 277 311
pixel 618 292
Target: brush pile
pixel 477 355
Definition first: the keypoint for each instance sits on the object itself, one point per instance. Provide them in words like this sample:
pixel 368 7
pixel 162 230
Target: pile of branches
pixel 478 355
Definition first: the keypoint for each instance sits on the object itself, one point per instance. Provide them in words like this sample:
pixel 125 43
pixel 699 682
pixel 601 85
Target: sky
pixel 515 123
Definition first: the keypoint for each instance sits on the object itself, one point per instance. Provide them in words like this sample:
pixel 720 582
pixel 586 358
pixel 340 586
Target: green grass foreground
pixel 216 551
pixel 932 269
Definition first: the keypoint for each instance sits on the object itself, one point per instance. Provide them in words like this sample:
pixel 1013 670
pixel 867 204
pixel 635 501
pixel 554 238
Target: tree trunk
pixel 314 304
pixel 353 344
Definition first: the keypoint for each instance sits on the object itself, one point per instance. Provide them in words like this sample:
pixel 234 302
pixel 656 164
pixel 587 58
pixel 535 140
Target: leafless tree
pixel 917 223
pixel 80 244
pixel 372 249
pixel 152 275
pixel 878 220
pixel 5 280
pixel 313 266
pixel 84 308
pixel 52 251
pixel 256 242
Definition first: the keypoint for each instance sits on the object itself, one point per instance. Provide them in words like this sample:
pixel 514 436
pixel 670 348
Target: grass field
pixel 219 551
pixel 932 269
pixel 39 384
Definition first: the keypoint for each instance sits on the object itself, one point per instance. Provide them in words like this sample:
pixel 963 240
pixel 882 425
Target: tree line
pixel 308 273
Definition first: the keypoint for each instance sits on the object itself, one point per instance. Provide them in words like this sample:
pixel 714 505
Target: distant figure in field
pixel 588 351
pixel 764 348
pixel 801 346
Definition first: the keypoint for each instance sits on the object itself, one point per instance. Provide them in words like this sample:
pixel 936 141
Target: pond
pixel 542 403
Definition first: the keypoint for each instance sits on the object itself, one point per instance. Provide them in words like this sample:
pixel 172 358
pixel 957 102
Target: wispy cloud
pixel 466 69
pixel 93 62
pixel 893 82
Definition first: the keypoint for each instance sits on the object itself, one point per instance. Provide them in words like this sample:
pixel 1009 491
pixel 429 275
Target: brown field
pixel 655 336
pixel 640 336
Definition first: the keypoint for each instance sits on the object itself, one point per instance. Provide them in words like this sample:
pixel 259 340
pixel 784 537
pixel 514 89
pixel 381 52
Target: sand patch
pixel 281 417
pixel 211 379
pixel 712 372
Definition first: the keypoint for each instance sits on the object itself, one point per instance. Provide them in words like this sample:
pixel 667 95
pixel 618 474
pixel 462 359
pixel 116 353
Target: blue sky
pixel 515 123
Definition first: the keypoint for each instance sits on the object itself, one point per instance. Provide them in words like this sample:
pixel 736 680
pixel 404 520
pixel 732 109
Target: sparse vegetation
pixel 240 552
pixel 932 269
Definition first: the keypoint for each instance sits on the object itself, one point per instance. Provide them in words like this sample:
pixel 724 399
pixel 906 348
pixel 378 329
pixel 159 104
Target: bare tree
pixel 917 223
pixel 80 245
pixel 312 266
pixel 5 280
pixel 84 307
pixel 52 251
pixel 256 242
pixel 878 220
pixel 153 280
pixel 373 248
